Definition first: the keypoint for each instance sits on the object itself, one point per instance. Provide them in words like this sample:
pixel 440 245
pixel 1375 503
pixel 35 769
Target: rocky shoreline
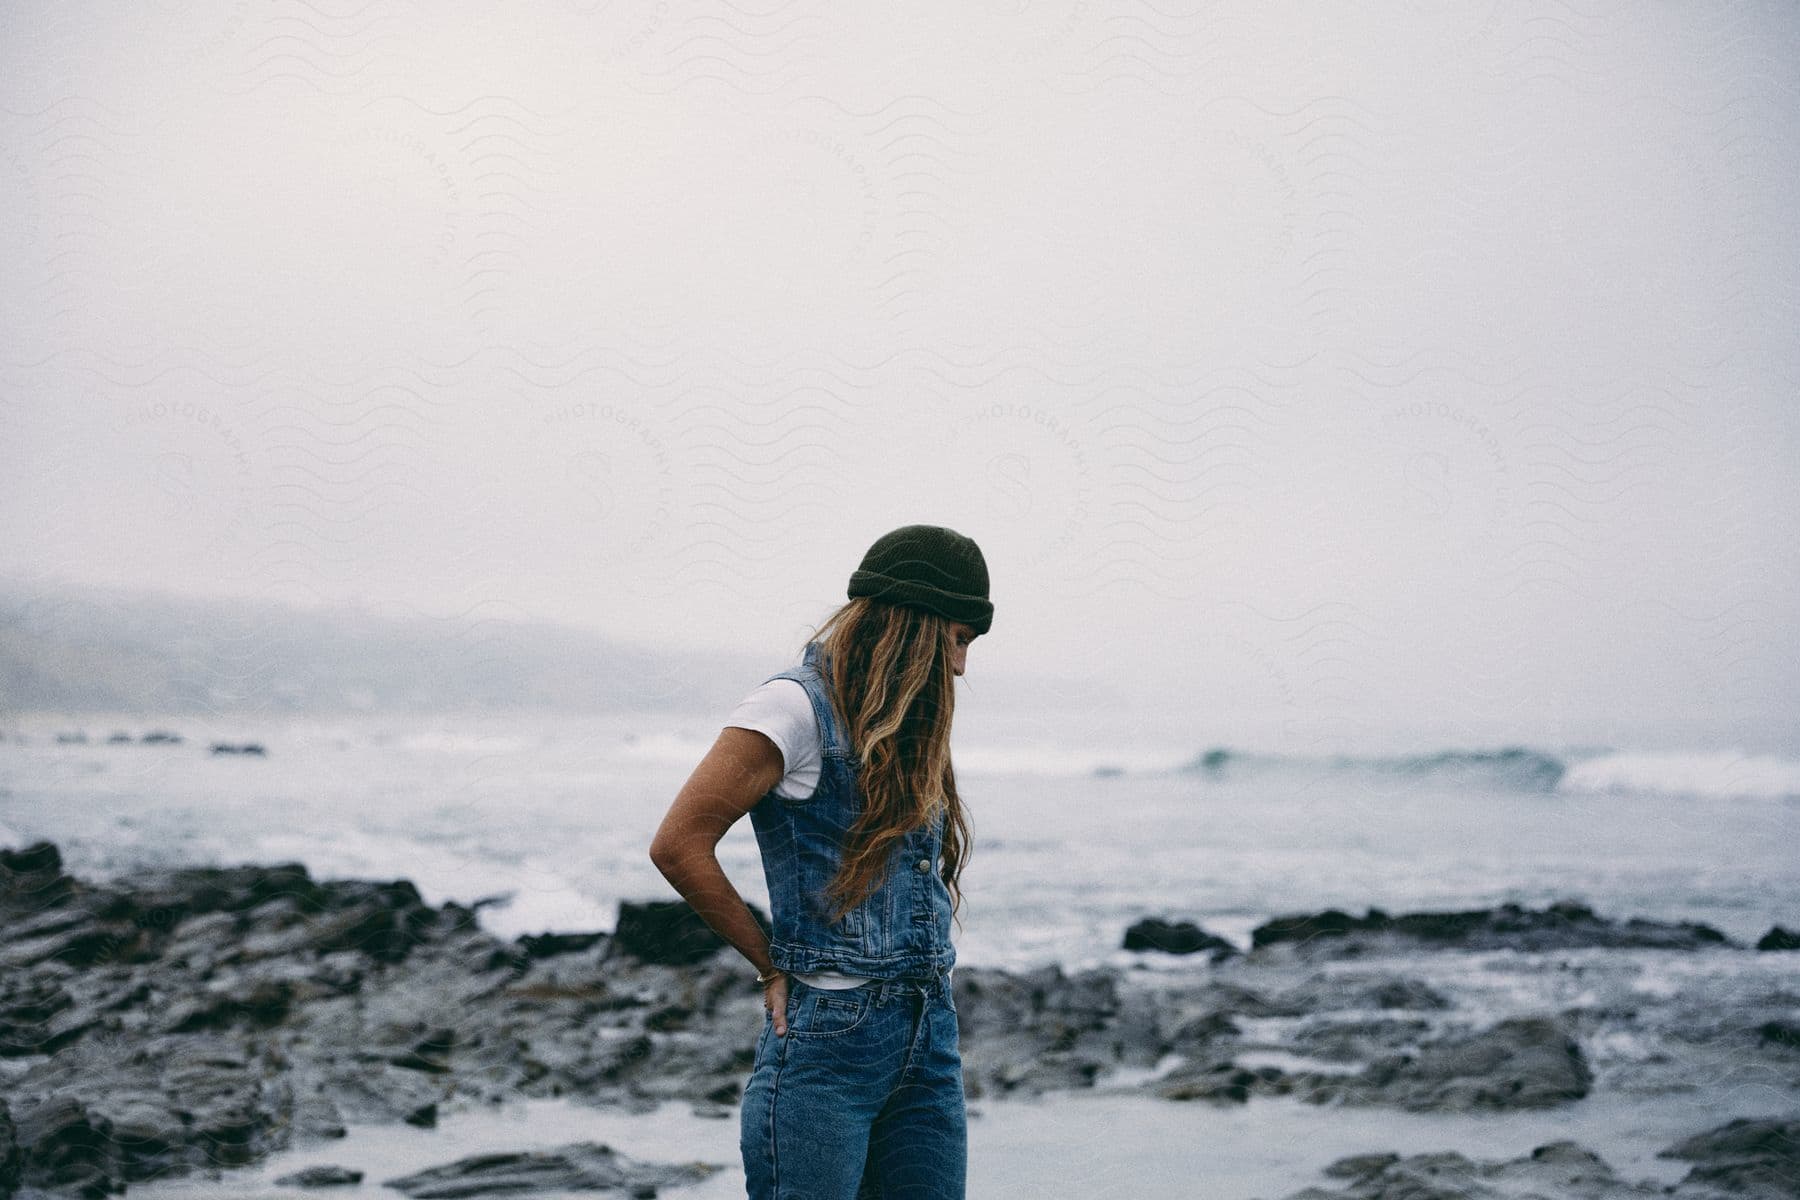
pixel 200 1019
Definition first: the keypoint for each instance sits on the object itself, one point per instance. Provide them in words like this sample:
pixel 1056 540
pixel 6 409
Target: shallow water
pixel 1064 1144
pixel 556 813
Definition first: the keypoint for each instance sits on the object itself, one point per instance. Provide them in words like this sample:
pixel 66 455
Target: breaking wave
pixel 1719 774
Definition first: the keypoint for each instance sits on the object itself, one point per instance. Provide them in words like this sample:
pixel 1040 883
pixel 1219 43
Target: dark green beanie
pixel 928 567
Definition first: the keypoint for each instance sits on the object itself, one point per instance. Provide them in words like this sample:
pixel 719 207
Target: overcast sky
pixel 1422 360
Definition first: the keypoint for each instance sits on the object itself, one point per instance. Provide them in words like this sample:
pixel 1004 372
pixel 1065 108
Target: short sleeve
pixel 781 710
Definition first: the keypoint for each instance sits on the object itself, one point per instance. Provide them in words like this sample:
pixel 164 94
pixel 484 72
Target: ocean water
pixel 1074 839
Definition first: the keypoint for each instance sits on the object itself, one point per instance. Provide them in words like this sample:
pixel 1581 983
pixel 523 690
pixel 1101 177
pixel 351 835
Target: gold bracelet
pixel 766 980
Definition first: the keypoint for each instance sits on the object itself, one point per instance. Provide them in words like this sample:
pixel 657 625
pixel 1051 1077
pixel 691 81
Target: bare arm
pixel 739 769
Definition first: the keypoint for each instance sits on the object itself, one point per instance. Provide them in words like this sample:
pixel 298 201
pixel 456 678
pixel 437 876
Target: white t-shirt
pixel 781 710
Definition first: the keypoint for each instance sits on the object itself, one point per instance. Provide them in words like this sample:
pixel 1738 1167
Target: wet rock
pixel 321 1177
pixel 579 1167
pixel 32 878
pixel 1780 1033
pixel 1041 1030
pixel 549 945
pixel 1406 993
pixel 37 1016
pixel 65 1148
pixel 203 1017
pixel 1359 1041
pixel 149 1137
pixel 1562 1169
pixel 669 931
pixel 1176 937
pixel 368 1093
pixel 382 920
pixel 1750 1156
pixel 1339 991
pixel 248 1001
pixel 9 1153
pixel 1778 938
pixel 1563 926
pixel 1223 1082
pixel 1522 1062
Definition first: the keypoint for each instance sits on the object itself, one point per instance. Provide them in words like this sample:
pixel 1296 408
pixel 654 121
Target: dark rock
pixel 1749 1156
pixel 321 1177
pixel 382 920
pixel 36 1017
pixel 1562 926
pixel 368 1092
pixel 9 1153
pixel 1522 1062
pixel 1408 994
pixel 163 897
pixel 66 1148
pixel 1042 1029
pixel 1778 938
pixel 1360 1166
pixel 1175 937
pixel 513 959
pixel 1561 1169
pixel 1782 1033
pixel 150 1139
pixel 549 945
pixel 1359 1040
pixel 1330 991
pixel 431 1055
pixel 1222 1082
pixel 669 932
pixel 260 1002
pixel 583 1166
pixel 669 1018
pixel 32 878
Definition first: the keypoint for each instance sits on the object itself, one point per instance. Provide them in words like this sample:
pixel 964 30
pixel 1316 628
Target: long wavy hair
pixel 887 669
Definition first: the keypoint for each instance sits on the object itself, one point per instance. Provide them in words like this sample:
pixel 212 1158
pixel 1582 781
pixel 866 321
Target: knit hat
pixel 927 567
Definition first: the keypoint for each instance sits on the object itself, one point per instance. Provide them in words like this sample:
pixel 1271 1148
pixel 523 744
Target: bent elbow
pixel 666 855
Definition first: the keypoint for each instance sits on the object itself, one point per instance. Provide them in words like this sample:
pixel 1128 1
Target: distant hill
pixel 104 649
pixel 94 649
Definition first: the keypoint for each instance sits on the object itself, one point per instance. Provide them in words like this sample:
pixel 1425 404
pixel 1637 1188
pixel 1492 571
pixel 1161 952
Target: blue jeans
pixel 863 1098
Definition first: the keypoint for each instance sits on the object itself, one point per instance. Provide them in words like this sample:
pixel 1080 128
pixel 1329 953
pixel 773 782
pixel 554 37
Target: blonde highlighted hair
pixel 887 669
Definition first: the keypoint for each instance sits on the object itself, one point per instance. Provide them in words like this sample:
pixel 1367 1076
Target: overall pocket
pixel 814 1012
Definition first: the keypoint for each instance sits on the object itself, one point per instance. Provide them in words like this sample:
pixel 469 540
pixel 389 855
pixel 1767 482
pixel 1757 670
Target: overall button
pixel 924 864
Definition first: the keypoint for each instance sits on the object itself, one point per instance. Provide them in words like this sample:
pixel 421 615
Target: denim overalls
pixel 864 1095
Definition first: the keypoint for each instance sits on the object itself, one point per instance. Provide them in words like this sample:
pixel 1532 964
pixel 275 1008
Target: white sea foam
pixel 1722 774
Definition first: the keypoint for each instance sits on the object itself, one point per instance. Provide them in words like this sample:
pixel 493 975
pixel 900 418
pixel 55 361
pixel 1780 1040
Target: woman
pixel 843 763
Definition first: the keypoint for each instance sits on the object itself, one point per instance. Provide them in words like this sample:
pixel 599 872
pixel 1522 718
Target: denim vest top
pixel 902 930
